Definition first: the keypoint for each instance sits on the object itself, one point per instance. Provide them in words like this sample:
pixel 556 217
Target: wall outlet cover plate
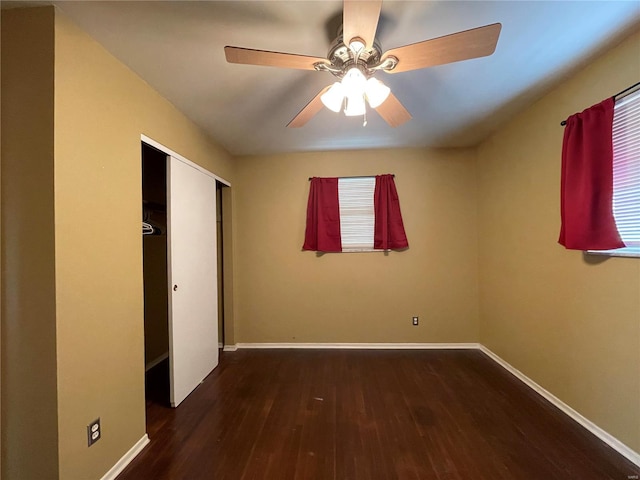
pixel 94 432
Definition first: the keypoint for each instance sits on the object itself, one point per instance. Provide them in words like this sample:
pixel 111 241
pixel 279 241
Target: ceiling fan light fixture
pixel 355 55
pixel 377 92
pixel 334 97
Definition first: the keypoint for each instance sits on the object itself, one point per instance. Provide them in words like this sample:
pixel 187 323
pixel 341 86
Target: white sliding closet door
pixel 193 302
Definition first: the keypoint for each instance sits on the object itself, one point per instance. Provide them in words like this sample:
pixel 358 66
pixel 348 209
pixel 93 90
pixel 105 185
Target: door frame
pixel 168 151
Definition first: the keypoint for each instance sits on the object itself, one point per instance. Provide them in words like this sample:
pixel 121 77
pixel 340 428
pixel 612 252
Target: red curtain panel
pixel 323 216
pixel 586 184
pixel 389 229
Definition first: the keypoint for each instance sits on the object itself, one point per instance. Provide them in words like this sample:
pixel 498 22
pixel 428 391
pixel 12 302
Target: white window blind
pixel 357 215
pixel 626 171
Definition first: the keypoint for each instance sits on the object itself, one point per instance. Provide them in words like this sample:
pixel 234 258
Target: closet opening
pixel 155 271
pixel 220 263
pixel 187 275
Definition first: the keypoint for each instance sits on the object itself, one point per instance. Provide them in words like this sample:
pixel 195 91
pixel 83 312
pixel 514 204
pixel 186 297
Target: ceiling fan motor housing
pixel 342 58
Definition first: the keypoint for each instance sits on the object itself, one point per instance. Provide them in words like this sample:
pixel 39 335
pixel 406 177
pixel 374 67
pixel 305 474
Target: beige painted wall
pixel 29 404
pixel 77 133
pixel 570 322
pixel 286 295
pixel 101 108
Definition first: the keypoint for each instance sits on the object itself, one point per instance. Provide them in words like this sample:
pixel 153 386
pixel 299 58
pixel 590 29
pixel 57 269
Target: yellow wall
pixel 568 321
pixel 101 108
pixel 78 159
pixel 29 404
pixel 286 295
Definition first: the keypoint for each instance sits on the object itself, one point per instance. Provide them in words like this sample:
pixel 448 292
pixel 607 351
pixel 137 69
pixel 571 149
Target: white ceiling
pixel 177 47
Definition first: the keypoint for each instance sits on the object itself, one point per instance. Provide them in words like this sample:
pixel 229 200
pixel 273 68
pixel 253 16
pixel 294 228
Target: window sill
pixel 630 252
pixel 361 250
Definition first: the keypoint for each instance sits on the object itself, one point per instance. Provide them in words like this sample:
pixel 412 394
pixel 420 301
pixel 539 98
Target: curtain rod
pixel 358 176
pixel 623 93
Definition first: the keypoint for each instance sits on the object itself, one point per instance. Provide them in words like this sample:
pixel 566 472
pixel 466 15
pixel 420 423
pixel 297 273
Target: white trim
pixel 364 346
pixel 126 459
pixel 230 348
pixel 168 151
pixel 621 252
pixel 156 361
pixel 169 283
pixel 607 438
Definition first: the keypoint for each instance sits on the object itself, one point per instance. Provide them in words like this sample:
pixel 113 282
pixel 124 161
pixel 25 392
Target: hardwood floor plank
pixel 362 415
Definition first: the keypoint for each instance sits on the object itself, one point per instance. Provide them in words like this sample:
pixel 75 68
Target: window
pixel 354 214
pixel 626 173
pixel 357 216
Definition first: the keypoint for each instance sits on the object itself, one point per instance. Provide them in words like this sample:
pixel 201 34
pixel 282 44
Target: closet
pixel 156 293
pixel 180 272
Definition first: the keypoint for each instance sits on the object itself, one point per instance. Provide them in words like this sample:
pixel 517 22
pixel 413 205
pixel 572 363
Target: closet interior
pixel 156 294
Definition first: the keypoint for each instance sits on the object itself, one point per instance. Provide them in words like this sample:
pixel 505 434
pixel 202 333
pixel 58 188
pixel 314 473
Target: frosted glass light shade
pixel 333 98
pixel 354 82
pixel 377 92
pixel 355 105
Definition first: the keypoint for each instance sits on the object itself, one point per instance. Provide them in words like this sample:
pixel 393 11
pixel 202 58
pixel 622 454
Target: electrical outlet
pixel 94 432
pixel 414 320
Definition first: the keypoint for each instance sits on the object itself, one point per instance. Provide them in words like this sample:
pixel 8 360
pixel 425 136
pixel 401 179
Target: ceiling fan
pixel 355 57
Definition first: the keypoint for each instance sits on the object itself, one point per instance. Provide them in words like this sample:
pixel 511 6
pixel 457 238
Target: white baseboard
pixel 126 459
pixel 360 346
pixel 156 361
pixel 607 438
pixel 230 348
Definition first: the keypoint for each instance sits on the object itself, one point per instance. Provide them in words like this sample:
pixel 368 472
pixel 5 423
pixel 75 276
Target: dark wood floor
pixel 359 414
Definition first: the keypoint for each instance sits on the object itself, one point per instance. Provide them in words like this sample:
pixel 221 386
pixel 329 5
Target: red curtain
pixel 586 185
pixel 388 230
pixel 323 216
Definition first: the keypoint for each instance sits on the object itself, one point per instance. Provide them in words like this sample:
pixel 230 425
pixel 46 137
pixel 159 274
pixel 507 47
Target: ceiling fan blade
pixel 249 56
pixel 360 20
pixel 478 42
pixel 393 111
pixel 309 111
